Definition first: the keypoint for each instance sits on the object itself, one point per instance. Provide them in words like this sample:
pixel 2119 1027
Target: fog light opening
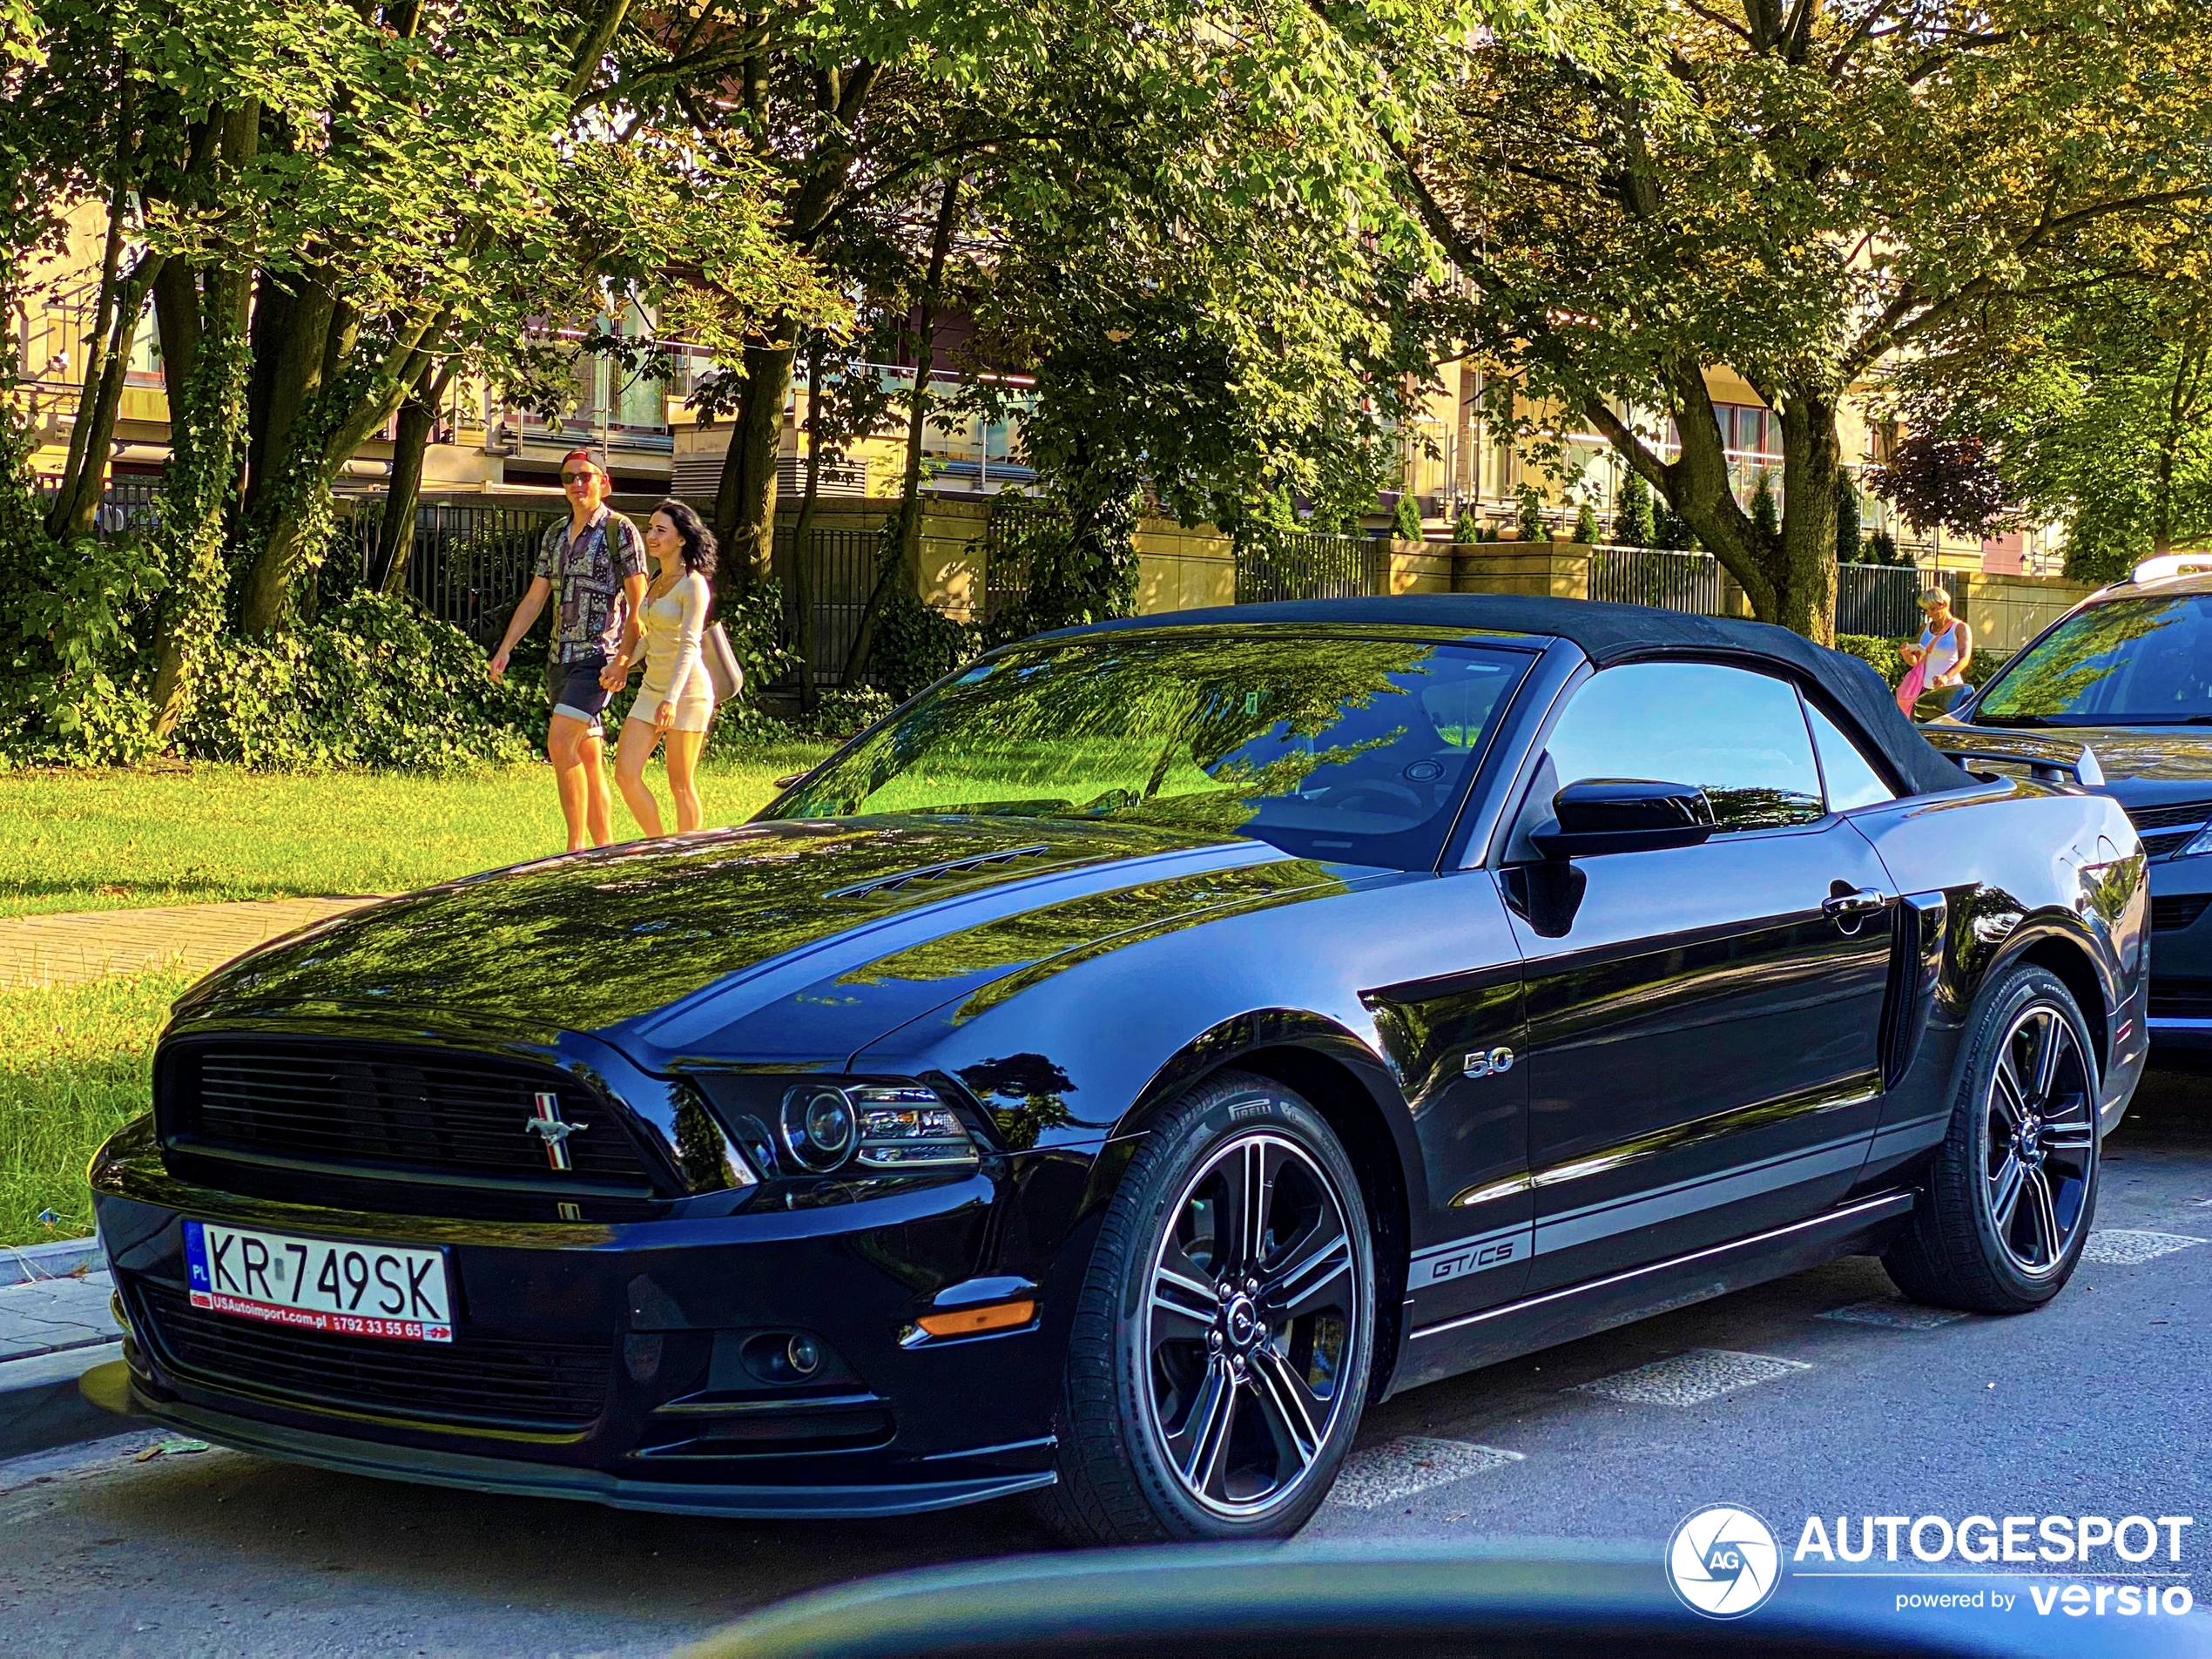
pixel 804 1355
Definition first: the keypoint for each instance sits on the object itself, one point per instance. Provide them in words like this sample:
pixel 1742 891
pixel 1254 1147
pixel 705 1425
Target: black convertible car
pixel 1104 1077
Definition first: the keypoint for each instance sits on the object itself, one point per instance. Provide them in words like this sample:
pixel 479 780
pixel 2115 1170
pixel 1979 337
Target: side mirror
pixel 1940 700
pixel 1625 815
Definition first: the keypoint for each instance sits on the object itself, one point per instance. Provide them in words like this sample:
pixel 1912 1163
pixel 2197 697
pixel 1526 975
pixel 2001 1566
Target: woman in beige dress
pixel 676 702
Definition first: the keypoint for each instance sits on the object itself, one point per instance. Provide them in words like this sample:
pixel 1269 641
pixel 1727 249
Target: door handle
pixel 1848 910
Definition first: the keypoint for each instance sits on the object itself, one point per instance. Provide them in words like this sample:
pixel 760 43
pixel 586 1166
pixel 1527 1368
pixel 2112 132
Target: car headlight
pixel 2200 842
pixel 821 1126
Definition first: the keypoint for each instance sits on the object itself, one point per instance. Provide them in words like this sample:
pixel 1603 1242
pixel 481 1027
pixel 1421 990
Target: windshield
pixel 2128 662
pixel 1330 747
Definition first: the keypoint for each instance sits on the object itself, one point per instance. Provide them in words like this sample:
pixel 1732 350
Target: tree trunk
pixel 78 503
pixel 801 585
pixel 1813 461
pixel 906 534
pixel 418 419
pixel 63 517
pixel 745 502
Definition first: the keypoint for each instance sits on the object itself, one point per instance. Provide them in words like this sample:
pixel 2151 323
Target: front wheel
pixel 1218 1363
pixel 2013 1186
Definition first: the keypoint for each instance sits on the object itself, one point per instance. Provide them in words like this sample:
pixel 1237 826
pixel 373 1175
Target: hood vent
pixel 936 871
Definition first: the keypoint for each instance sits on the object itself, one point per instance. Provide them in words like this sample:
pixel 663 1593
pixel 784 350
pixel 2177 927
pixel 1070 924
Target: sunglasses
pixel 576 477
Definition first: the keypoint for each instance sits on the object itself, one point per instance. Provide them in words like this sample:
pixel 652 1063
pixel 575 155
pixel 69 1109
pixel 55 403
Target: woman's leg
pixel 630 772
pixel 682 753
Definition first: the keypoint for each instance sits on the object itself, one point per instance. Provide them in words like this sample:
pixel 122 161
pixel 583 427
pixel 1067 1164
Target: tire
pixel 2013 1187
pixel 1215 1378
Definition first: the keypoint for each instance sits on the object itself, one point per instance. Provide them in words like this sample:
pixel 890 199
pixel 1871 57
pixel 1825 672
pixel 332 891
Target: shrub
pixel 1675 533
pixel 1586 530
pixel 1405 520
pixel 1849 543
pixel 1467 528
pixel 1881 548
pixel 1632 520
pixel 1532 527
pixel 1766 515
pixel 1882 654
pixel 373 683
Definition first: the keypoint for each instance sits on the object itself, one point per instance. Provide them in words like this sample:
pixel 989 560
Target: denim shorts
pixel 576 690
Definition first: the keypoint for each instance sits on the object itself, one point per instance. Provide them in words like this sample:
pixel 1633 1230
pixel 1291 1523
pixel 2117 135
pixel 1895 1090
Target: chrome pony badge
pixel 546 1123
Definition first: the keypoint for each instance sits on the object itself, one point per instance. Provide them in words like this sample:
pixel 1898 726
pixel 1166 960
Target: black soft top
pixel 1609 634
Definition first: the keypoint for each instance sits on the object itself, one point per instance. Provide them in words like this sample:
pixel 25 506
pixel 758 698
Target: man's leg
pixel 599 803
pixel 564 738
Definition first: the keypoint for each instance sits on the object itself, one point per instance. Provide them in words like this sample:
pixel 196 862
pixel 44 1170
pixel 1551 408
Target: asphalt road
pixel 2096 1406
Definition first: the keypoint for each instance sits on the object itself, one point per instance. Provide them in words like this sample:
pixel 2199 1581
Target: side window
pixel 1850 781
pixel 1738 736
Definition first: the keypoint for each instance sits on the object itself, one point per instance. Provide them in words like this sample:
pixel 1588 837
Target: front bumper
pixel 2181 953
pixel 609 1362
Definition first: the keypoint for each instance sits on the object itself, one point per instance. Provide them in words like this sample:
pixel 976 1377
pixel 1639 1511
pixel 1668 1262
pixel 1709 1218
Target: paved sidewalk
pixel 52 1315
pixel 53 1331
pixel 74 948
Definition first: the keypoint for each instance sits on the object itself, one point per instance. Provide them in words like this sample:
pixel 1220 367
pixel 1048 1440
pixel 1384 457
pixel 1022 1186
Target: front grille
pixel 391 1110
pixel 495 1381
pixel 2177 911
pixel 2180 999
pixel 2165 830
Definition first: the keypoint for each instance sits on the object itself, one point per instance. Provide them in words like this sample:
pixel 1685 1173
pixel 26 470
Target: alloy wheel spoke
pixel 2043 1216
pixel 1201 1450
pixel 1308 1280
pixel 2075 1130
pixel 1288 1407
pixel 2043 1068
pixel 2005 1095
pixel 2005 1192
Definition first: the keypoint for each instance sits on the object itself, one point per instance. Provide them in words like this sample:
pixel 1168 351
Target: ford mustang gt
pixel 1104 1077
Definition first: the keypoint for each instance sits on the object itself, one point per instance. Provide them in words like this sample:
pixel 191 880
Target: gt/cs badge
pixel 1496 1062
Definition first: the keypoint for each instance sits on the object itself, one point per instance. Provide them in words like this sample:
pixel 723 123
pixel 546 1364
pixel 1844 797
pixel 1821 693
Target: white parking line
pixel 2124 1246
pixel 1691 1378
pixel 1410 1463
pixel 1893 1311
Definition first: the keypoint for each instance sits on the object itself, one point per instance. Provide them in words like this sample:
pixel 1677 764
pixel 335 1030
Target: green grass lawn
pixel 73 1070
pixel 104 840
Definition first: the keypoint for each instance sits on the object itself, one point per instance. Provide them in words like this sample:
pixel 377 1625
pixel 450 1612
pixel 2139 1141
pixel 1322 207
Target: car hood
pixel 641 940
pixel 2143 765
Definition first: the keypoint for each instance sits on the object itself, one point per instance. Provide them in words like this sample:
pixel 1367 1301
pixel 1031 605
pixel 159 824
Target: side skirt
pixel 1514 1328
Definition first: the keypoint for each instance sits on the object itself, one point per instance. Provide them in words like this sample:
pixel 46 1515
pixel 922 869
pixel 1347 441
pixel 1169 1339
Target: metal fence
pixel 127 504
pixel 1638 576
pixel 841 571
pixel 1880 599
pixel 470 561
pixel 1009 540
pixel 1305 564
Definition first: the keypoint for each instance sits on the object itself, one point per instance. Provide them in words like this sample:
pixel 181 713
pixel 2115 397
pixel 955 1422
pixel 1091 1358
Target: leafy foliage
pixel 1405 520
pixel 1632 521
pixel 1467 528
pixel 1932 480
pixel 1531 520
pixel 1078 558
pixel 1586 530
pixel 1882 654
pixel 373 683
pixel 1849 539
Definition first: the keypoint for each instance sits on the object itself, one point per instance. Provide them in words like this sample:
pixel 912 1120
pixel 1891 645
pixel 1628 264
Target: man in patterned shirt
pixel 596 561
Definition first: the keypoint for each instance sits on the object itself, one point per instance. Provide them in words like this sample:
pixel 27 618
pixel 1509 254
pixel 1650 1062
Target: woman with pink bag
pixel 1940 655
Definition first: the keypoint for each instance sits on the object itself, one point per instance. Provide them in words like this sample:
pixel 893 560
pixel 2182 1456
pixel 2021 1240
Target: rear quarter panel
pixel 2021 868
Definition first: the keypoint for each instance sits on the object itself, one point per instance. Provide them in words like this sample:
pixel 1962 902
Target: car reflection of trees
pixel 1104 726
pixel 2066 665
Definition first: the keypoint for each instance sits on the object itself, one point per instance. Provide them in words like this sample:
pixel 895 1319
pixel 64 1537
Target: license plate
pixel 348 1289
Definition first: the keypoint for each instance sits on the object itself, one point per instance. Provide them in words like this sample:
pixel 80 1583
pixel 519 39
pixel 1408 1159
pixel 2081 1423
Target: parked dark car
pixel 1103 1078
pixel 2128 673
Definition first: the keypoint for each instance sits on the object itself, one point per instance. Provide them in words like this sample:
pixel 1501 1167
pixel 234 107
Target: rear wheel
pixel 2013 1186
pixel 1218 1363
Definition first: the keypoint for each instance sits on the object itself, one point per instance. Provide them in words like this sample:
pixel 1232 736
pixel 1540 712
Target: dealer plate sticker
pixel 314 1284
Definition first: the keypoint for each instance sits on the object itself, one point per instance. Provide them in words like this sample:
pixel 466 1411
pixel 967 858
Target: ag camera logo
pixel 1723 1561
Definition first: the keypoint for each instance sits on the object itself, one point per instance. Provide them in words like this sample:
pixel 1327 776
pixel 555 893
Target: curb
pixel 56 1259
pixel 41 1406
